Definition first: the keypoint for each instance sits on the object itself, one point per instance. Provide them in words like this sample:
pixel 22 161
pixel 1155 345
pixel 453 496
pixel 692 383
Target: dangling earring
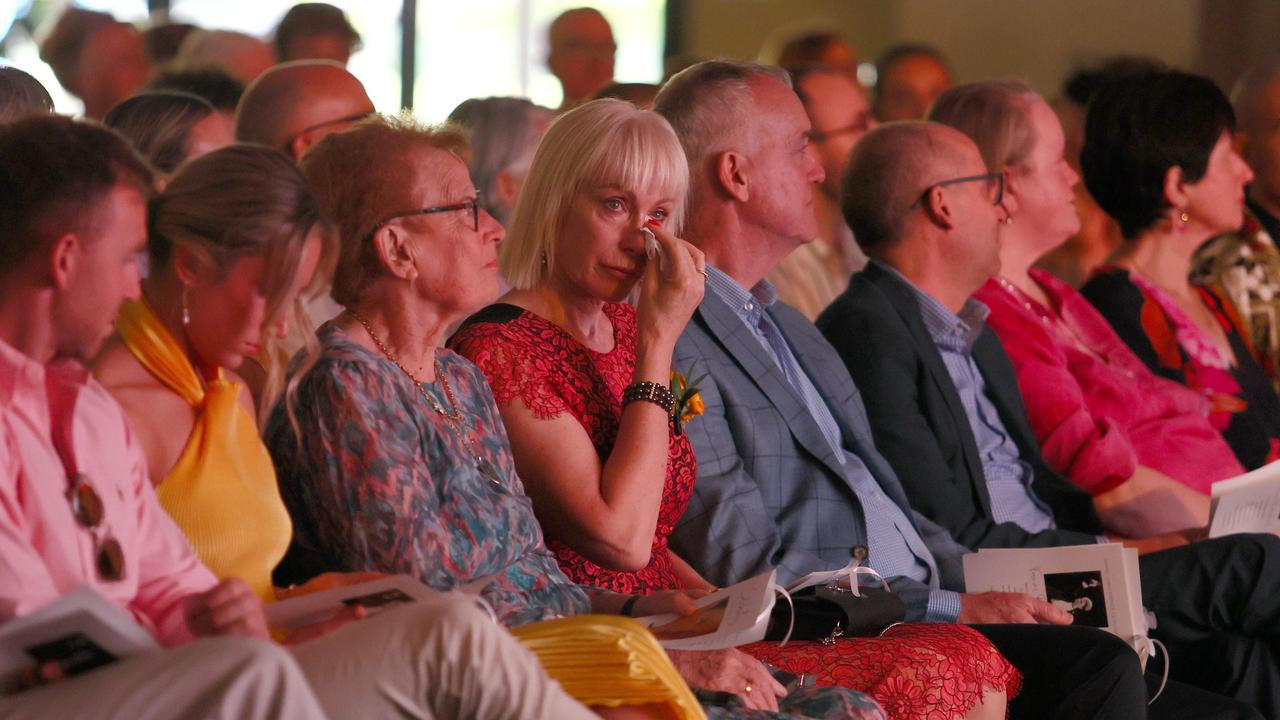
pixel 1183 218
pixel 1008 220
pixel 186 314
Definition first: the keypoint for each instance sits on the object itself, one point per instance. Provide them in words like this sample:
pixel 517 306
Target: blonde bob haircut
pixel 995 115
pixel 600 143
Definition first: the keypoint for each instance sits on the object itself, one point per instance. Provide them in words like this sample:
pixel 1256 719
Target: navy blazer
pixel 921 426
pixel 771 491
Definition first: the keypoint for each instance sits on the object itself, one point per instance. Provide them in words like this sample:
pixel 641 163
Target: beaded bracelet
pixel 653 392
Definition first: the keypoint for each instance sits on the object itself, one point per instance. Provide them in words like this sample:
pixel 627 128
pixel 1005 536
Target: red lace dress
pixel 916 671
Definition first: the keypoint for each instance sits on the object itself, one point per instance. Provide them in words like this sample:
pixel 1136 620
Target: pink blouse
pixel 44 552
pixel 1097 411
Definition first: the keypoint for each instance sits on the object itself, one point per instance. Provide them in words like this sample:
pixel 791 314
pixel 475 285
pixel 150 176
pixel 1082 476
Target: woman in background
pixel 1158 157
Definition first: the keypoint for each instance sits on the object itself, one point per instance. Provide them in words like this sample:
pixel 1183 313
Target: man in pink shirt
pixel 77 508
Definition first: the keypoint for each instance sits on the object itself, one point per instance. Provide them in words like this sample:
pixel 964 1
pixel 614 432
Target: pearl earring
pixel 186 314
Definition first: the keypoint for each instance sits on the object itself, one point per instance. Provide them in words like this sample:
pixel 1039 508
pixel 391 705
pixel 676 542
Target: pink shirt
pixel 44 552
pixel 1096 410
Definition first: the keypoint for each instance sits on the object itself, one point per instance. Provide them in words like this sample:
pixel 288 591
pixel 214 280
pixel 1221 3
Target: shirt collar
pixel 746 303
pixel 949 330
pixel 19 374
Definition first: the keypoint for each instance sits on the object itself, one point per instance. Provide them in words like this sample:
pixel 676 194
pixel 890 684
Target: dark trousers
pixel 1180 701
pixel 1217 607
pixel 1071 673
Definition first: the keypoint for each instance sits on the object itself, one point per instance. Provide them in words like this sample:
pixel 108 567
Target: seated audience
pixel 908 78
pixel 21 96
pixel 786 472
pixel 391 453
pixel 315 31
pixel 1140 444
pixel 822 48
pixel 815 273
pixel 576 369
pixel 96 58
pixel 243 55
pixel 580 53
pixel 80 511
pixel 169 128
pixel 945 410
pixel 1158 157
pixel 217 86
pixel 504 132
pixel 1245 264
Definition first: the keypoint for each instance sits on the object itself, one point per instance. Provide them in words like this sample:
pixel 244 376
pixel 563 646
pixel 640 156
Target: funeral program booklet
pixel 80 631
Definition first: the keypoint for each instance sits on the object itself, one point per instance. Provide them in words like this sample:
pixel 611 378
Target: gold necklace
pixel 454 419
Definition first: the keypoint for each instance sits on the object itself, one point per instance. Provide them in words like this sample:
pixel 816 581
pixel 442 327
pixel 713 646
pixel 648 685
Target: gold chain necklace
pixel 454 419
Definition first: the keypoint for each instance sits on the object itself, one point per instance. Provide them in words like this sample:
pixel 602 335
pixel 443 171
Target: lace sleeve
pixel 516 366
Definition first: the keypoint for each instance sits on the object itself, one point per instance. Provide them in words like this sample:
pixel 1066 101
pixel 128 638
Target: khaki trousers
pixel 436 659
pixel 216 678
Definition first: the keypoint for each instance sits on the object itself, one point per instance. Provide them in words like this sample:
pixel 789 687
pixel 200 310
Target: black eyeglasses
pixel 87 508
pixel 473 205
pixel 995 179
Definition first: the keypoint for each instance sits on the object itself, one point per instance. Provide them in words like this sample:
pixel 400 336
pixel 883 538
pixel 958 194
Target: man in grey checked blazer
pixel 788 473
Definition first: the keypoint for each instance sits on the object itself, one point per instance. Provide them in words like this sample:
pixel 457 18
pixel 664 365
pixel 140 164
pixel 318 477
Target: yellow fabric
pixel 608 661
pixel 222 492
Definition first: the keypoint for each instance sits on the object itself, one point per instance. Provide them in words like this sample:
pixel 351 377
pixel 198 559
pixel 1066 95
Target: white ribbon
pixel 1146 647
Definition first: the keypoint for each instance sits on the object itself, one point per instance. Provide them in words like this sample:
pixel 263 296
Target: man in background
pixel 581 54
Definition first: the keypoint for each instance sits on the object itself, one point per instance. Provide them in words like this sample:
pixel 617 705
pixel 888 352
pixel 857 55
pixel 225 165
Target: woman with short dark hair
pixel 1158 157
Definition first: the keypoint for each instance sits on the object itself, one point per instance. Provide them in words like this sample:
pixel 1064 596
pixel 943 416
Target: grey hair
pixel 706 103
pixel 1251 87
pixel 504 133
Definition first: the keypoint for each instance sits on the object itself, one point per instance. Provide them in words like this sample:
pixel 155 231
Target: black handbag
pixel 828 612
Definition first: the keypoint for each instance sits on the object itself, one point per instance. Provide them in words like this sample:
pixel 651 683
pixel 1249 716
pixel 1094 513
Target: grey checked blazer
pixel 770 490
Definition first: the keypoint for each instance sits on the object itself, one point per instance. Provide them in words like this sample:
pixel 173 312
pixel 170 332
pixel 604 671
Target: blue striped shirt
pixel 1008 476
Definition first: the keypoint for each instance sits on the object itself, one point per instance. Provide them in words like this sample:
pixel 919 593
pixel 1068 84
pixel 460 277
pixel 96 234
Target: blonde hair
pixel 603 142
pixel 994 115
pixel 364 174
pixel 236 202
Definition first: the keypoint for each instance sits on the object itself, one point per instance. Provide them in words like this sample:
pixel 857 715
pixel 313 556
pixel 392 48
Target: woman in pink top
pixel 1141 444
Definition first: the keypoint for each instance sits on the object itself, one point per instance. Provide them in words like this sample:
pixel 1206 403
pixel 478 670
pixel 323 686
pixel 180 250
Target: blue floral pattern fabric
pixel 379 481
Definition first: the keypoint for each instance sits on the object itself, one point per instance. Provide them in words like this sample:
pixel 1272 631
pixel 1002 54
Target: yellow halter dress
pixel 222 492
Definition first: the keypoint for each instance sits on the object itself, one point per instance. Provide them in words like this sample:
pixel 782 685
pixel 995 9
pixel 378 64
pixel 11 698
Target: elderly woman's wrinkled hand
pixel 730 671
pixel 672 288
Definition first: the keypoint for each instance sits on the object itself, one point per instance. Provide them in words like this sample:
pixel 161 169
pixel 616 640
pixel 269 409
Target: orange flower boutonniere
pixel 688 399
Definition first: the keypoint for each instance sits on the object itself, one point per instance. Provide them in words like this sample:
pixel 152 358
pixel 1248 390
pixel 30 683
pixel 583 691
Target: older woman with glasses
pixel 391 453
